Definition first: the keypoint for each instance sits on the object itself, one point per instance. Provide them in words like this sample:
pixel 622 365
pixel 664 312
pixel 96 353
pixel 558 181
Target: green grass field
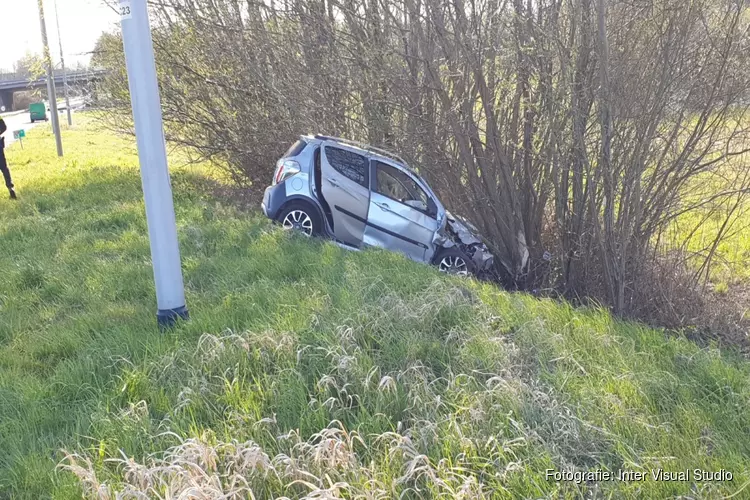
pixel 310 370
pixel 697 228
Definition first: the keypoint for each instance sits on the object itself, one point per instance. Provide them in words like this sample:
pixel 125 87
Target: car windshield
pixel 295 149
pixel 424 182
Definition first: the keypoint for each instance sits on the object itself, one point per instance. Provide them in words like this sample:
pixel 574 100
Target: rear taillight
pixel 285 169
pixel 279 170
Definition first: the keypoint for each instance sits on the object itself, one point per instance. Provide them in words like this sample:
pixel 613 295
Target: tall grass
pixel 310 372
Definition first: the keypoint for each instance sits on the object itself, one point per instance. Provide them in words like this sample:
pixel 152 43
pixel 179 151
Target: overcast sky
pixel 81 23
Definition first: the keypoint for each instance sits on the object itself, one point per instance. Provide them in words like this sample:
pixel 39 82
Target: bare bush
pixel 581 129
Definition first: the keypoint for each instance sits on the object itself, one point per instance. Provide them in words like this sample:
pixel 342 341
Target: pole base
pixel 166 318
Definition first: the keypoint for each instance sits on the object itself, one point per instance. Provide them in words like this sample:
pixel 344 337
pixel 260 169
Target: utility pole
pixel 50 82
pixel 62 63
pixel 152 155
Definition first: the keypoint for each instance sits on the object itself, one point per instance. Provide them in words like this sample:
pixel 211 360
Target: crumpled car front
pixel 461 233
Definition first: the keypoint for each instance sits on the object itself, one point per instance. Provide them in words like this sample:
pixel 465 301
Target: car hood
pixel 466 231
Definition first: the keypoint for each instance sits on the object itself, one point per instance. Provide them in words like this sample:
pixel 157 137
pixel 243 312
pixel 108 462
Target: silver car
pixel 363 196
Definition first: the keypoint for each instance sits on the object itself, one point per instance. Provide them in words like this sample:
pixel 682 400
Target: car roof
pixel 373 152
pixel 365 148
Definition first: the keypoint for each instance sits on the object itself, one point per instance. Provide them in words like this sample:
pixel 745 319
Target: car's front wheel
pixel 454 261
pixel 300 217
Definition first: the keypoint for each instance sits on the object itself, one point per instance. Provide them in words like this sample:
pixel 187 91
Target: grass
pixel 697 228
pixel 732 253
pixel 309 371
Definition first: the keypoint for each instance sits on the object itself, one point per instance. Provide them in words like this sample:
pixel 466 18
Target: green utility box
pixel 37 112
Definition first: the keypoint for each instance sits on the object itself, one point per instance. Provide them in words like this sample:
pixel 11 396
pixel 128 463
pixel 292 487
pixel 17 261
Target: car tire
pixel 302 217
pixel 454 261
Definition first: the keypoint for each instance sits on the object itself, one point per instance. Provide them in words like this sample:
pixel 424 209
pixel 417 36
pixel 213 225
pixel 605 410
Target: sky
pixel 81 23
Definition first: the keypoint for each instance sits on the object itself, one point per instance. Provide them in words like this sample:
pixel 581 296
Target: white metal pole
pixel 51 97
pixel 152 154
pixel 62 64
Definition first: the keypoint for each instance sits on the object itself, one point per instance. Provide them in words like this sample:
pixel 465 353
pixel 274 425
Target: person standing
pixel 4 162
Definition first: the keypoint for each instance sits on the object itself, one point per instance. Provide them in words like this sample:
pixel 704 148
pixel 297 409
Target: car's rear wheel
pixel 300 217
pixel 454 261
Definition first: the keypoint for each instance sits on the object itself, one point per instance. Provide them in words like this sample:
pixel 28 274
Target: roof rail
pixel 366 147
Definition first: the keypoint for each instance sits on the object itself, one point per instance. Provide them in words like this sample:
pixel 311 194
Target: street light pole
pixel 50 82
pixel 152 155
pixel 62 63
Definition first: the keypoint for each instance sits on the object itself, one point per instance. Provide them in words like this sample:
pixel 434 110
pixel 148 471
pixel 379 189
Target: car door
pixel 401 216
pixel 345 187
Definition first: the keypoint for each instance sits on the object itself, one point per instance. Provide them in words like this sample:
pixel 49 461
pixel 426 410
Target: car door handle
pixel 384 207
pixel 332 182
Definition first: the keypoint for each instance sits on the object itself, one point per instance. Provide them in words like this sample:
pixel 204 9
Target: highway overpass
pixel 11 83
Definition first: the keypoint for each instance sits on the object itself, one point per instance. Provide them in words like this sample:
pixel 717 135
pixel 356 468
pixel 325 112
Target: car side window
pixel 395 184
pixel 349 164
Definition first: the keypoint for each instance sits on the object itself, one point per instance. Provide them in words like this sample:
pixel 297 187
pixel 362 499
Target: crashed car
pixel 364 196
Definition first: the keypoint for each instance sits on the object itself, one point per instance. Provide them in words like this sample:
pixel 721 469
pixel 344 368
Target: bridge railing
pixel 71 73
pixel 4 77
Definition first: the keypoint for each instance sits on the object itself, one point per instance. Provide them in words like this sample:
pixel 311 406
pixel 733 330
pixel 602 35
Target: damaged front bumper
pixel 462 234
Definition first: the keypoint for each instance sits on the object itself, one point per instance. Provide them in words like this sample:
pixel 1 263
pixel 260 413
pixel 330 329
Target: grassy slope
pixel 379 373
